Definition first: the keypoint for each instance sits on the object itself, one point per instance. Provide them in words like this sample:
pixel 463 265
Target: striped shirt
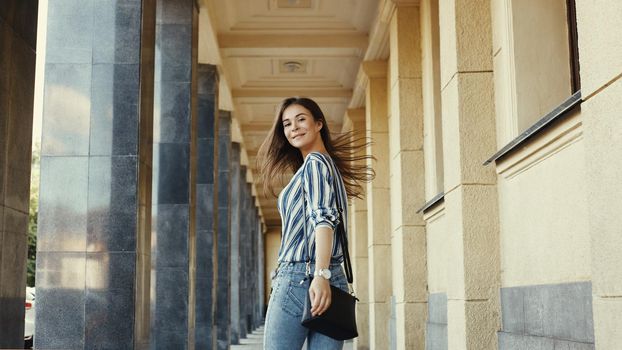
pixel 316 174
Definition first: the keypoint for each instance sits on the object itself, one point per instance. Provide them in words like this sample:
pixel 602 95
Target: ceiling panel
pixel 273 49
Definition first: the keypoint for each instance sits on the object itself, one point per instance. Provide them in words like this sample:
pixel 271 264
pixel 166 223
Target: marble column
pixel 223 297
pixel 18 36
pixel 235 243
pixel 174 175
pixel 258 284
pixel 254 268
pixel 357 237
pixel 248 307
pixel 93 260
pixel 473 276
pixel 207 128
pixel 377 193
pixel 408 235
pixel 261 278
pixel 261 275
pixel 244 237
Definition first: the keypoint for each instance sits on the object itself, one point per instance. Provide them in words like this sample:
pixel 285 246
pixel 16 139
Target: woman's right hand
pixel 320 295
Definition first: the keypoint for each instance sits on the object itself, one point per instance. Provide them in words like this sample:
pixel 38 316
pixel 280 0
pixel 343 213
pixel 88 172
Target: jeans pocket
pixel 293 300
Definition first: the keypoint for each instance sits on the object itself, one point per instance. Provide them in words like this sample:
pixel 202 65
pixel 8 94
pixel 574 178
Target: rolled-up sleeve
pixel 320 194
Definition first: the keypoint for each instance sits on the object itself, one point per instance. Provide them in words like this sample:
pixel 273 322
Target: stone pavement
pixel 254 341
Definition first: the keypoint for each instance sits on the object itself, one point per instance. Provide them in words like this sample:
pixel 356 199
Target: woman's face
pixel 301 130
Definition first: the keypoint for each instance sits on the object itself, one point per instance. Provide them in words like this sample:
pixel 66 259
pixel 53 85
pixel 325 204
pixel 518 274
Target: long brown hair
pixel 276 155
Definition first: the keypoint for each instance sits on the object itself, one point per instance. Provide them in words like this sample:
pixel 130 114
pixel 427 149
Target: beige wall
pixel 548 212
pixel 542 206
pixel 603 184
pixel 437 249
pixel 358 242
pixel 600 54
pixel 431 98
pixel 542 200
pixel 378 205
pixel 406 173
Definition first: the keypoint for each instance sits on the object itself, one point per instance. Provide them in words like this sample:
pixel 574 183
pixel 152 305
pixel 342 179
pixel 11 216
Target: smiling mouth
pixel 297 136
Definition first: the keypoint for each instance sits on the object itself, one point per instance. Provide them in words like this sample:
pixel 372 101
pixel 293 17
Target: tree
pixel 34 210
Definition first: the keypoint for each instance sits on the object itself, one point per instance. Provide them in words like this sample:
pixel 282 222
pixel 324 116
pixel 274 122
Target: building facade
pixel 492 222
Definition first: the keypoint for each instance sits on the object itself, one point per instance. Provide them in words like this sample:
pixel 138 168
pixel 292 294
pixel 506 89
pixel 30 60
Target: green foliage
pixel 32 223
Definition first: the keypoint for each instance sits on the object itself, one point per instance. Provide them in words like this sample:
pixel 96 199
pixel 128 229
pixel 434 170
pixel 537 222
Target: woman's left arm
pixel 319 291
pixel 321 197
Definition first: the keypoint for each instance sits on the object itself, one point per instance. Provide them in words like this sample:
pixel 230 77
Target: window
pixel 431 81
pixel 536 61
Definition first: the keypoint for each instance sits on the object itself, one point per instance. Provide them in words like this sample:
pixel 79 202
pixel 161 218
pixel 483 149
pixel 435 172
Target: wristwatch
pixel 325 273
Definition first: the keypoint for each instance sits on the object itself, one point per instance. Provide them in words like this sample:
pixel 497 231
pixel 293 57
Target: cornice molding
pixel 353 119
pixel 545 145
pixel 377 49
pixel 356 114
pixel 280 93
pixel 358 93
pixel 405 3
pixel 355 40
pixel 374 69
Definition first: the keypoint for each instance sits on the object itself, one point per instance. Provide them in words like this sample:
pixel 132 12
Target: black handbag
pixel 339 320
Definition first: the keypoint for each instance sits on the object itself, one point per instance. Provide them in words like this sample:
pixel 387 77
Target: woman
pixel 324 176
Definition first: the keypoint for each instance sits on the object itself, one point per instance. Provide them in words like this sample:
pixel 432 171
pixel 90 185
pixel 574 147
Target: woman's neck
pixel 306 152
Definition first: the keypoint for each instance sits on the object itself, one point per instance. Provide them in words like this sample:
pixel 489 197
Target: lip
pixel 297 136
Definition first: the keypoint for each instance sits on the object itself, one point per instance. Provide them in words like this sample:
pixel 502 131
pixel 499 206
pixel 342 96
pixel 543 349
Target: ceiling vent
pixel 293 66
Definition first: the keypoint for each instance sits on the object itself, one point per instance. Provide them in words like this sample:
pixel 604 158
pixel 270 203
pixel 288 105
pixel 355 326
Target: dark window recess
pixel 573 45
pixel 555 114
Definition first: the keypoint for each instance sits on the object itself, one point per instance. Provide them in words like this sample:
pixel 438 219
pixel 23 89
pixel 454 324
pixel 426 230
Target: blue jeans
pixel 283 329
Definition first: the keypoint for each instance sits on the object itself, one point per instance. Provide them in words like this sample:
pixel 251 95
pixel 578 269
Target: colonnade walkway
pixel 254 341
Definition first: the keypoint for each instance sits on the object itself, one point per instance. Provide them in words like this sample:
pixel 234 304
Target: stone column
pixel 235 243
pixel 174 179
pixel 223 296
pixel 248 264
pixel 408 240
pixel 358 244
pixel 244 237
pixel 258 271
pixel 468 138
pixel 251 266
pixel 93 261
pixel 601 90
pixel 18 37
pixel 378 222
pixel 255 265
pixel 207 128
pixel 261 274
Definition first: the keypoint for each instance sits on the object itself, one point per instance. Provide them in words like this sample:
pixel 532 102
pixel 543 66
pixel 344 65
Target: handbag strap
pixel 341 232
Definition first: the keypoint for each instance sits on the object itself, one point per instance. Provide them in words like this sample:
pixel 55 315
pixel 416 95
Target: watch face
pixel 325 273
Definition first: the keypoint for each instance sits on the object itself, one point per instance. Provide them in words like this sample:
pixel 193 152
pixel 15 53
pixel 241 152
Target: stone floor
pixel 254 341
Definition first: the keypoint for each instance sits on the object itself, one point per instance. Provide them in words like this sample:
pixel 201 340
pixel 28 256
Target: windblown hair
pixel 276 155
